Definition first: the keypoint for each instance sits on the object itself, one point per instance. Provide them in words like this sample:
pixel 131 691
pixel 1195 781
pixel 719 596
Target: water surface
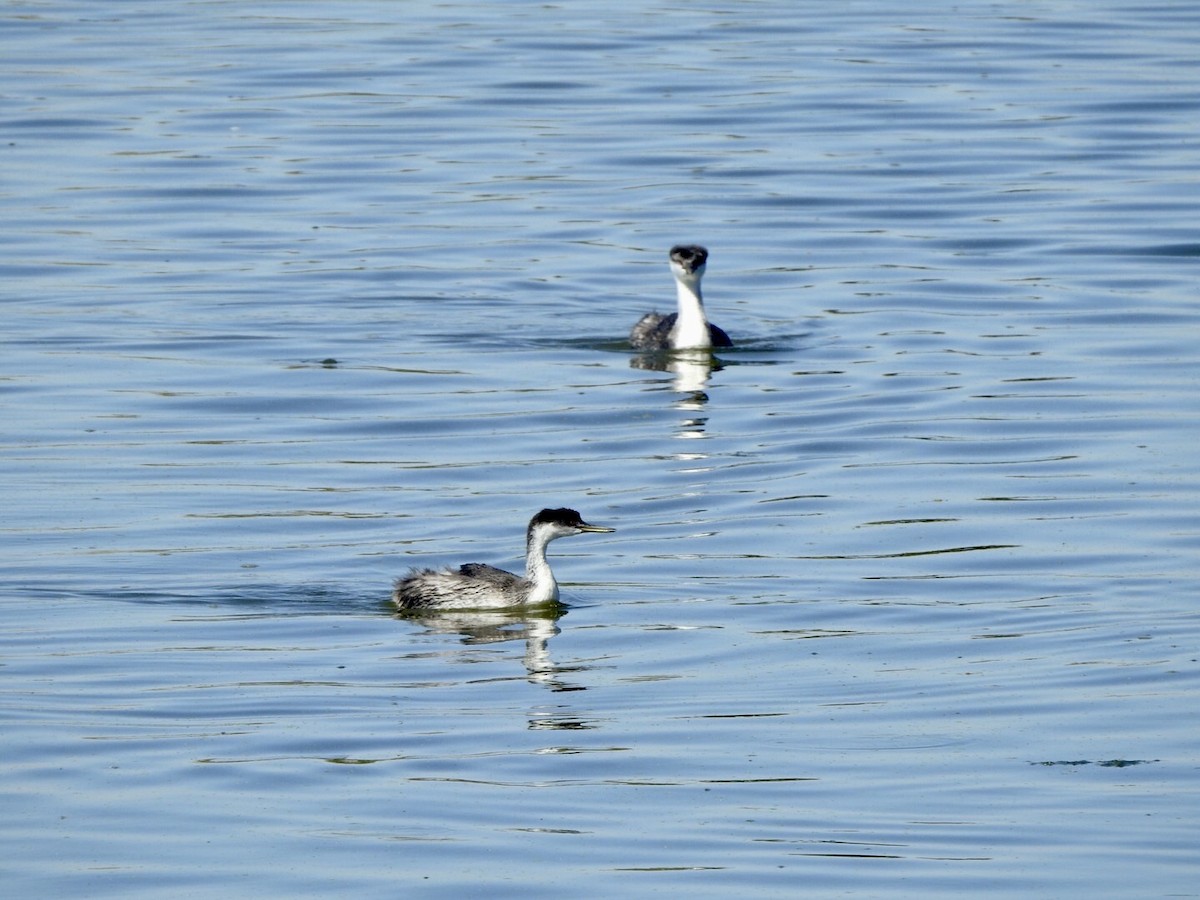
pixel 902 596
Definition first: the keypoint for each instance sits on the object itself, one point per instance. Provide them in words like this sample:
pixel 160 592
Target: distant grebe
pixel 480 586
pixel 686 329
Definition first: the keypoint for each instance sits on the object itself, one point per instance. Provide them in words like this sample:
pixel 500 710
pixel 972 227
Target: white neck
pixel 691 328
pixel 542 586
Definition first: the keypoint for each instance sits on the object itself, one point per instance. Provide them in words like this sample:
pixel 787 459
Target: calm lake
pixel 902 597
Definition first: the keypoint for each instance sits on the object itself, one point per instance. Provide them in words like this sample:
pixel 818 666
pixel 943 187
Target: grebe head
pixel 555 523
pixel 688 262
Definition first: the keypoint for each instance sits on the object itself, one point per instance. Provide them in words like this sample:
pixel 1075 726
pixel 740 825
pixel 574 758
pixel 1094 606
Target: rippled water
pixel 902 596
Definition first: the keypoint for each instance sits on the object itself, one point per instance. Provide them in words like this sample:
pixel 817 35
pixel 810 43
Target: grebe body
pixel 687 328
pixel 480 586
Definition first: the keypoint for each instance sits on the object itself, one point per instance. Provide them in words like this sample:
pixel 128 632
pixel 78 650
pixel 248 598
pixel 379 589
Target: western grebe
pixel 686 329
pixel 480 586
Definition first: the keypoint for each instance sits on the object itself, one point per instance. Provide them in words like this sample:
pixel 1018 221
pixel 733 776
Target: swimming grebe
pixel 480 586
pixel 686 329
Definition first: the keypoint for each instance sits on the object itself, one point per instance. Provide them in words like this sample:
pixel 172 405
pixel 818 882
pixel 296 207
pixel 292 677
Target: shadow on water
pixel 742 347
pixel 692 369
pixel 533 626
pixel 264 602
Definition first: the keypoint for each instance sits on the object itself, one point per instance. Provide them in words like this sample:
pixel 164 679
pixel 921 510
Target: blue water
pixel 902 596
